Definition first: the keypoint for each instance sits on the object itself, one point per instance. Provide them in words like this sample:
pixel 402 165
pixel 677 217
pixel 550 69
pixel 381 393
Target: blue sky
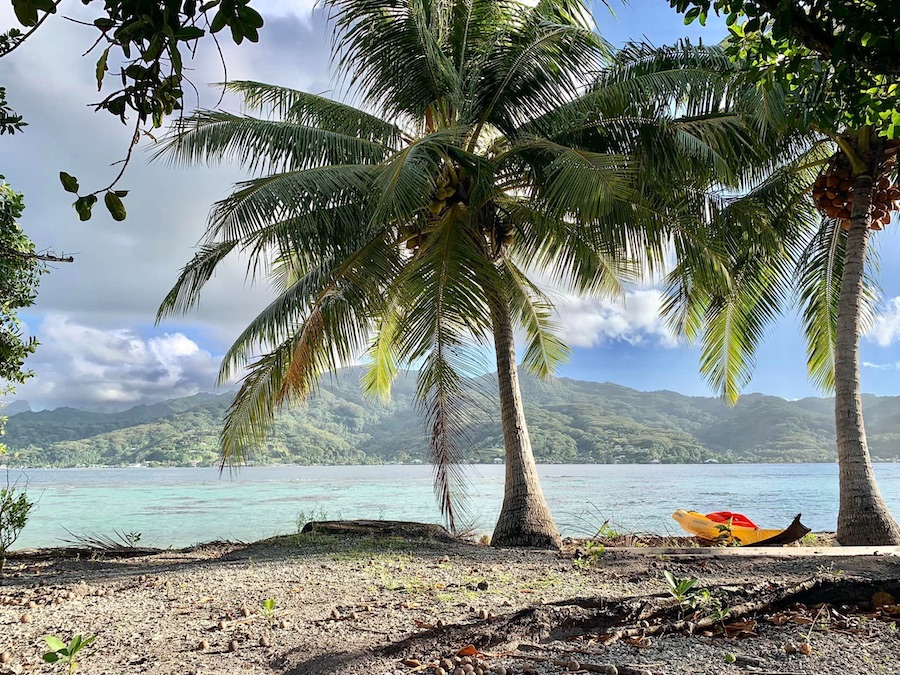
pixel 95 317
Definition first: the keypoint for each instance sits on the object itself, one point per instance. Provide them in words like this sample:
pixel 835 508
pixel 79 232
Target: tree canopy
pixel 846 49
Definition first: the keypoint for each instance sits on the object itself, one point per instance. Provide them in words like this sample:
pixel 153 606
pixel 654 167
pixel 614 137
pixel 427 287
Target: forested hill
pixel 570 421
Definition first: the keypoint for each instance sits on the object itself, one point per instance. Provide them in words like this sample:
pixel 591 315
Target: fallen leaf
pixel 468 650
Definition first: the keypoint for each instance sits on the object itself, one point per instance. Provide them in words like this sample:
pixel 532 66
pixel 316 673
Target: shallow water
pixel 184 506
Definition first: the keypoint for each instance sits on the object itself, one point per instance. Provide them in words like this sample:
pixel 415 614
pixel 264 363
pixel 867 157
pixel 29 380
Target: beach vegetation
pixel 495 140
pixel 15 509
pixel 65 653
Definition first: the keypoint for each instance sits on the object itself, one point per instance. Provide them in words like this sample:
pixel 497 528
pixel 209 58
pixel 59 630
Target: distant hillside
pixel 570 421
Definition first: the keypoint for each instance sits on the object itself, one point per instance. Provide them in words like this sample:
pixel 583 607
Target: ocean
pixel 183 506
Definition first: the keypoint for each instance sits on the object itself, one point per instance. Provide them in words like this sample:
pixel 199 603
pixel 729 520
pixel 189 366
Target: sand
pixel 357 604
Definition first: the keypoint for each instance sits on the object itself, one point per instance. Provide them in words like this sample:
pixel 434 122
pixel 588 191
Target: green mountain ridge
pixel 571 421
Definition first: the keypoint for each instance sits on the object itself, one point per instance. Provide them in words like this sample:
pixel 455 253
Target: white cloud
pixel 886 328
pixel 881 366
pixel 82 366
pixel 589 323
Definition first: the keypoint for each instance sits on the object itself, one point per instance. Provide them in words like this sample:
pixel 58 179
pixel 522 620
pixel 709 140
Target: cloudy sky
pixel 95 318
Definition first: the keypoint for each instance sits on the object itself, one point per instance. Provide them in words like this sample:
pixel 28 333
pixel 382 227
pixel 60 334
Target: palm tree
pixel 500 146
pixel 812 215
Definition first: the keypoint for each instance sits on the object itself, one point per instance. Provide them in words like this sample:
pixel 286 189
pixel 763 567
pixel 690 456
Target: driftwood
pixel 794 532
pixel 379 528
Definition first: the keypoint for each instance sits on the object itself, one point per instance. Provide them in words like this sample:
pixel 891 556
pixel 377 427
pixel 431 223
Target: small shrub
pixel 14 511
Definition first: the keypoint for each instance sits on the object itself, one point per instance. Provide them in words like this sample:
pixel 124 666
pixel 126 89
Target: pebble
pixel 221 625
pixel 610 670
pixel 283 624
pixel 440 671
pixel 789 648
pixel 573 665
pixel 5 657
pixel 482 614
pixel 32 604
pixel 805 648
pixel 233 646
pixel 499 670
pixel 203 646
pixel 245 612
pixel 25 618
pixel 264 641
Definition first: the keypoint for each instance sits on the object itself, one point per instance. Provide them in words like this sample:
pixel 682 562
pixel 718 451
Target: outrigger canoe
pixel 724 527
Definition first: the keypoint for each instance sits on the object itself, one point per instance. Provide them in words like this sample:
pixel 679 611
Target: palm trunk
pixel 524 519
pixel 863 517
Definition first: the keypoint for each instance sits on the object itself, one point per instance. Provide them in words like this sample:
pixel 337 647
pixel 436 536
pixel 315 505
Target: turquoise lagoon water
pixel 184 506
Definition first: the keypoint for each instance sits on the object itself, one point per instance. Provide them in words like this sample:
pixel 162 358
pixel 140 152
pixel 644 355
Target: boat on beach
pixel 727 528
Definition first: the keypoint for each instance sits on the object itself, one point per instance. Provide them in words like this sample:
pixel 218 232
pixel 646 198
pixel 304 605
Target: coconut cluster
pixel 833 190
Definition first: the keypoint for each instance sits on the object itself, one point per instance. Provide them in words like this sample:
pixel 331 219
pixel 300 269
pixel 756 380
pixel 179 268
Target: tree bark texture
pixel 863 517
pixel 525 519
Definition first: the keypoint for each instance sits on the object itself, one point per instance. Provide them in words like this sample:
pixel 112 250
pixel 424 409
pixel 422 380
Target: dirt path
pixel 351 604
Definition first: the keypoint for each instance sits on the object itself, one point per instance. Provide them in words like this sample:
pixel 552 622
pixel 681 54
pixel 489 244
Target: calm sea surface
pixel 180 507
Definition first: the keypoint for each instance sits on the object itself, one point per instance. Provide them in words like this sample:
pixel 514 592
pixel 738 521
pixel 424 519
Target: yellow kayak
pixel 732 528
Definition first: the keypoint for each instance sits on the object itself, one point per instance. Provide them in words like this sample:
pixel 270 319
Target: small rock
pixel 468 668
pixel 447 664
pixel 264 642
pixel 222 625
pixel 245 612
pixel 32 604
pixel 805 648
pixel 466 660
pixel 440 671
pixel 573 665
pixel 25 618
pixel 789 648
pixel 482 585
pixel 499 670
pixel 610 670
pixel 335 615
pixel 203 645
pixel 5 657
pixel 444 559
pixel 283 624
pixel 354 616
pixel 233 646
pixel 458 671
pixel 482 614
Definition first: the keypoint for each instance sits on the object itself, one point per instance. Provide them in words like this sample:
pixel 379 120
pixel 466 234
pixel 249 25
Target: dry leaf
pixel 412 663
pixel 468 650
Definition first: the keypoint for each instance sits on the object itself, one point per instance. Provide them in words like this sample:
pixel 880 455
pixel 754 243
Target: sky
pixel 94 318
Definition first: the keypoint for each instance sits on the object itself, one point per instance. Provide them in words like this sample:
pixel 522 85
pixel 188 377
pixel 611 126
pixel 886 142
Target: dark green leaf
pixel 69 183
pixel 115 206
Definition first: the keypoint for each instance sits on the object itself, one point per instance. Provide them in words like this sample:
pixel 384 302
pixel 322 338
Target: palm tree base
pixel 526 527
pixel 873 529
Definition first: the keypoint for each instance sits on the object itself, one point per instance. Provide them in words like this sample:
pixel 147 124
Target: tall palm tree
pixel 499 146
pixel 812 214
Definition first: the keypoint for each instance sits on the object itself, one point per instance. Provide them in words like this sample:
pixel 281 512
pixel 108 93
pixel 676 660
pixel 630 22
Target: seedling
pixel 681 589
pixel 65 653
pixel 268 608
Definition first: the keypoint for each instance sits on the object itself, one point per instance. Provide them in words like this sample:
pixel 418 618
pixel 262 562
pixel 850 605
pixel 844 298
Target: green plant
pixel 681 589
pixel 595 551
pixel 65 653
pixel 14 511
pixel 268 608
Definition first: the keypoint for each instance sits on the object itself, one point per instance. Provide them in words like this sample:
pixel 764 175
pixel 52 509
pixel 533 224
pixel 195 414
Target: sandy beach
pixel 357 604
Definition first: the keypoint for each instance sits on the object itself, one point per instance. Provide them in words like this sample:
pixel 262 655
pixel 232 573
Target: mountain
pixel 570 421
